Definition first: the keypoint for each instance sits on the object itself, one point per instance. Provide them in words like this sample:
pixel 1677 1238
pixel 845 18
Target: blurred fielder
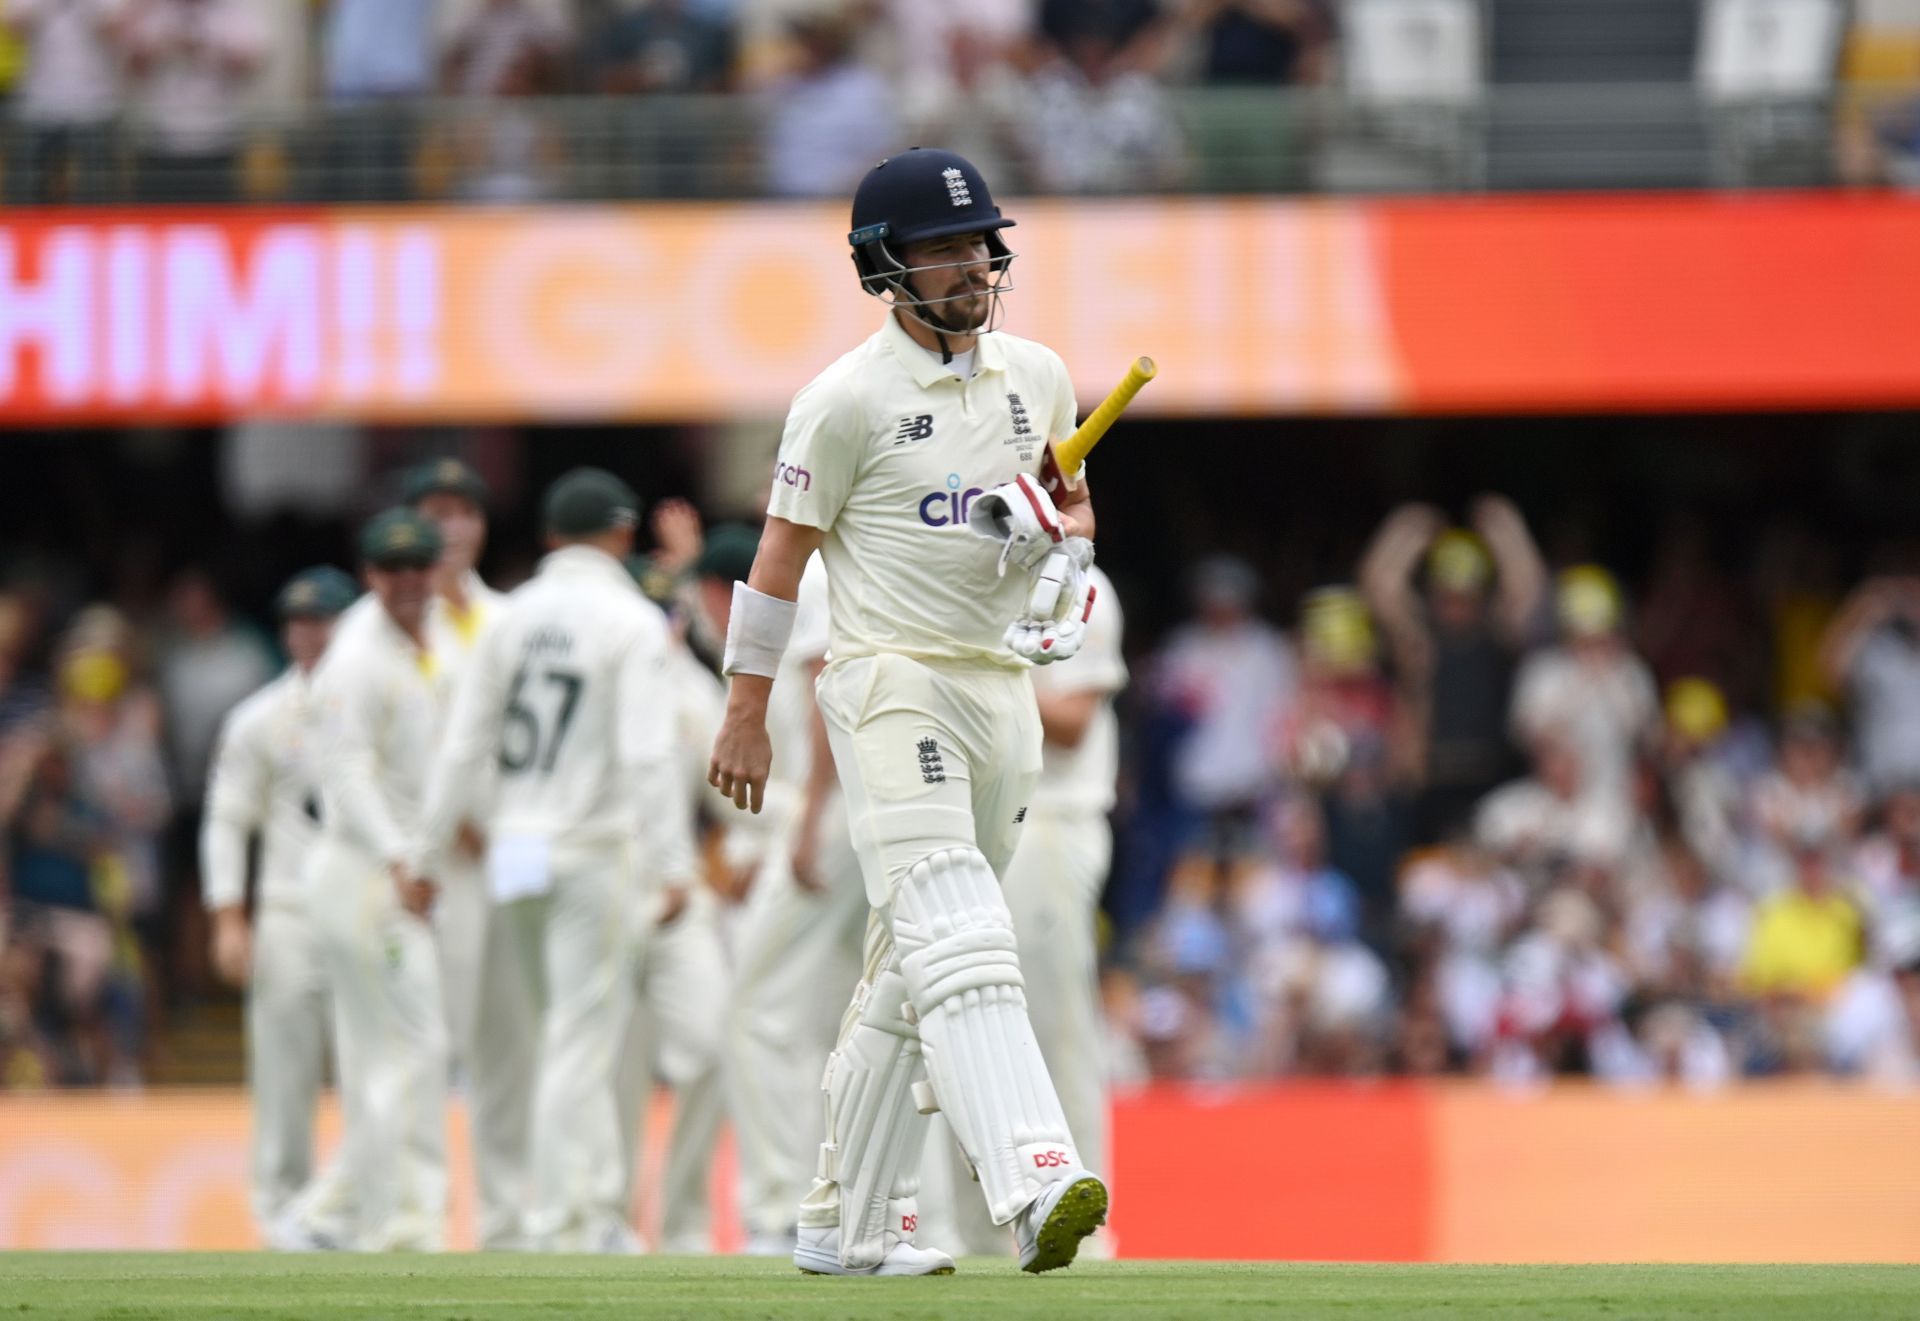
pixel 797 948
pixel 262 782
pixel 377 710
pixel 567 696
pixel 936 424
pixel 1053 890
pixel 681 977
pixel 489 1018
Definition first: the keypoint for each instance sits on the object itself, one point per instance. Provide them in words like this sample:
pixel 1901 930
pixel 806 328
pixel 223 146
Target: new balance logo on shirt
pixel 914 428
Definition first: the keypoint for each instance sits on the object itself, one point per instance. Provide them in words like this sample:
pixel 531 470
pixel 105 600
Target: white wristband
pixel 757 633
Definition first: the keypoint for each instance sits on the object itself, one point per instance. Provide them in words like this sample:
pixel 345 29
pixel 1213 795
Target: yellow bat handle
pixel 1071 453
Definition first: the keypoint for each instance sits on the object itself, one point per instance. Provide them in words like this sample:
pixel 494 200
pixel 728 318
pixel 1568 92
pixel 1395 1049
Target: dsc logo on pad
pixel 1052 1159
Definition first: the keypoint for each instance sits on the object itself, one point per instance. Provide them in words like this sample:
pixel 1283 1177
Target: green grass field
pixel 204 1287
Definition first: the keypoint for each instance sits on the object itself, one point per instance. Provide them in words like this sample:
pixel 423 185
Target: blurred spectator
pixel 1809 804
pixel 1323 997
pixel 1098 121
pixel 68 97
pixel 1131 28
pixel 378 55
pixel 1232 676
pixel 1693 617
pixel 1262 42
pixel 1454 646
pixel 830 118
pixel 1340 739
pixel 1874 1027
pixel 1561 991
pixel 110 728
pixel 377 49
pixel 1887 863
pixel 1548 823
pixel 664 46
pixel 1591 690
pixel 193 62
pixel 207 663
pixel 1460 906
pixel 1872 651
pixel 1807 937
pixel 506 47
pixel 960 70
pixel 1704 797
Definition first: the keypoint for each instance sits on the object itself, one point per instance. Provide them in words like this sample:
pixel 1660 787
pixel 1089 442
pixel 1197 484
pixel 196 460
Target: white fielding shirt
pixel 885 451
pixel 568 707
pixel 1081 780
pixel 377 710
pixel 262 781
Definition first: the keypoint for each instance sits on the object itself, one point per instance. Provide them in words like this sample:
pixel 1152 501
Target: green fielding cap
pixel 444 477
pixel 400 539
pixel 589 500
pixel 656 584
pixel 317 593
pixel 728 552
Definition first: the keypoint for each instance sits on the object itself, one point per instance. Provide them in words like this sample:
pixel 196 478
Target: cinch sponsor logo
pixel 1049 1160
pixel 792 475
pixel 949 508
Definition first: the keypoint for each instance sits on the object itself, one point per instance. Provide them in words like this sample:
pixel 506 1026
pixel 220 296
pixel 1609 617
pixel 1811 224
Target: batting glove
pixel 1054 624
pixel 1021 517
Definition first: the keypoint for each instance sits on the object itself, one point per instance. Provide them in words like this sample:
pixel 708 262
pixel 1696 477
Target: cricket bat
pixel 1070 455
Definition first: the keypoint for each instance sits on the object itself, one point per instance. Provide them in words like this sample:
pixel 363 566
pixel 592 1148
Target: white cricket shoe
pixel 1049 1231
pixel 818 1253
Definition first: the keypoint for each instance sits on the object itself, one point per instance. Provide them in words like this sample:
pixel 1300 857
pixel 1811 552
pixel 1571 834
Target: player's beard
pixel 966 314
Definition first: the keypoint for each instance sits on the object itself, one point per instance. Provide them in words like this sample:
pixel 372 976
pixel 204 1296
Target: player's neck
pixel 929 339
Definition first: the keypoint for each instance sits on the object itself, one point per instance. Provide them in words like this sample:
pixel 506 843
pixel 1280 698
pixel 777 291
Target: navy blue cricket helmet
pixel 923 193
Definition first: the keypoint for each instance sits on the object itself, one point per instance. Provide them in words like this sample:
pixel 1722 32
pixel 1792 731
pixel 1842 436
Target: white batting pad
pixel 957 953
pixel 875 1131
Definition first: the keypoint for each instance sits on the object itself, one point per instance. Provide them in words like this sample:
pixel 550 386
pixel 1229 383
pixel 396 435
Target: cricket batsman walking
pixel 894 458
pixel 378 708
pixel 566 695
pixel 262 783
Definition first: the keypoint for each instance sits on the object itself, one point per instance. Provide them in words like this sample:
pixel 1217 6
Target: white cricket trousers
pixel 287 1012
pixel 934 759
pixel 573 944
pixel 383 969
pixel 1053 889
pixel 677 1026
pixel 797 959
pixel 490 1022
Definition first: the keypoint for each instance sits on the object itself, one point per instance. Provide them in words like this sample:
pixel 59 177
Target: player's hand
pixel 468 843
pixel 417 893
pixel 742 757
pixel 676 526
pixel 232 946
pixel 1053 625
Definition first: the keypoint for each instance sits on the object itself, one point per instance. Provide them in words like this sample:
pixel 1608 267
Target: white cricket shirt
pixel 569 706
pixel 1081 780
pixel 262 780
pixel 377 709
pixel 885 451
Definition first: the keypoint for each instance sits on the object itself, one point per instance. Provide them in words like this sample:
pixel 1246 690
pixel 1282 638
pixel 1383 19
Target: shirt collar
pixel 586 559
pixel 926 368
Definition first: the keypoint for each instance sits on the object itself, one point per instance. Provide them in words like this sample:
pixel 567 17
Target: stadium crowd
pixel 1476 816
pixel 1063 93
pixel 1472 813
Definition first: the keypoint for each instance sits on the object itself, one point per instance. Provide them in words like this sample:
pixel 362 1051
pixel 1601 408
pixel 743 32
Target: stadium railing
pixel 1234 140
